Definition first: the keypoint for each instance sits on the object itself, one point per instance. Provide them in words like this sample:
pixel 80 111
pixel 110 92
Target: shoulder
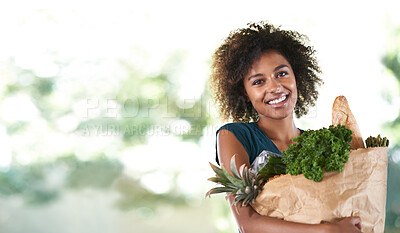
pixel 237 132
pixel 243 132
pixel 232 139
pixel 237 127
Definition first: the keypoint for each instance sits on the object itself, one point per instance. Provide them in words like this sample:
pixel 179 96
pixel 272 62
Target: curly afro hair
pixel 234 58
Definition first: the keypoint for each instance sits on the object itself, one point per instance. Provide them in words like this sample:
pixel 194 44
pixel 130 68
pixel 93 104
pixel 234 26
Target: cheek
pixel 293 87
pixel 256 97
pixel 250 94
pixel 294 93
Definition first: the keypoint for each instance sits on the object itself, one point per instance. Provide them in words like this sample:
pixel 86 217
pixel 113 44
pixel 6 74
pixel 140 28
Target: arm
pixel 249 221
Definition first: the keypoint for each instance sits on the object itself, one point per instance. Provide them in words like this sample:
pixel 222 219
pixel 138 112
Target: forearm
pixel 263 224
pixel 249 221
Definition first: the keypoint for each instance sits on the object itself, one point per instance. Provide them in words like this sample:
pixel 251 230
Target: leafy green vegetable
pixel 316 150
pixel 274 167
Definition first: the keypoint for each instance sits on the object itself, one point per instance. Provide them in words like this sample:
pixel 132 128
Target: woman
pixel 261 76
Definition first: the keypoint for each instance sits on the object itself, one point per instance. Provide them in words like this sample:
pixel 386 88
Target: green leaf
pixel 218 180
pixel 218 171
pixel 250 198
pixel 316 150
pixel 234 168
pixel 275 166
pixel 246 176
pixel 233 180
pixel 219 190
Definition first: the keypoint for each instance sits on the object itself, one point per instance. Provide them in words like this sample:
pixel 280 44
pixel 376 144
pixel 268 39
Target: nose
pixel 273 86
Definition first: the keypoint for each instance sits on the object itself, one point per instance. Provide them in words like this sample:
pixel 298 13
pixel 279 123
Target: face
pixel 270 85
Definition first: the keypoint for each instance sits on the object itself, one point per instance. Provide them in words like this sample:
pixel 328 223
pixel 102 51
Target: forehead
pixel 269 60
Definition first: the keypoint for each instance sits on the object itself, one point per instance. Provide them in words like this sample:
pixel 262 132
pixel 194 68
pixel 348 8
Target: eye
pixel 257 82
pixel 281 74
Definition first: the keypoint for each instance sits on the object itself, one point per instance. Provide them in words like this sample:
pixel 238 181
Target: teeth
pixel 275 101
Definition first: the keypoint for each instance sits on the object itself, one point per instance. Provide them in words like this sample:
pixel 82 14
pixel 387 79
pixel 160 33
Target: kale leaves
pixel 315 150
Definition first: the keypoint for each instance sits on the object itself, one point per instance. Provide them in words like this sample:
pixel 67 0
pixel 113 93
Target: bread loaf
pixel 341 114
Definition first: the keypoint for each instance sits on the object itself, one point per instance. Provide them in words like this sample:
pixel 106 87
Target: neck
pixel 282 130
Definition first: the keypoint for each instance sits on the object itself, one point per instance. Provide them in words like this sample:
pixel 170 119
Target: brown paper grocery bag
pixel 359 190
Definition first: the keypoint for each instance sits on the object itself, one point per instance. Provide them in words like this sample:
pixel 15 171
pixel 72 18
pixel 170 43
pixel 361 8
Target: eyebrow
pixel 259 74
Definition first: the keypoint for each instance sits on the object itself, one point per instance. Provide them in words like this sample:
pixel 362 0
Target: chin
pixel 283 117
pixel 277 116
pixel 280 115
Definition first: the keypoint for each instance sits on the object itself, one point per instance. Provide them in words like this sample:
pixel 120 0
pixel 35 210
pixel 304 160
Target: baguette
pixel 341 114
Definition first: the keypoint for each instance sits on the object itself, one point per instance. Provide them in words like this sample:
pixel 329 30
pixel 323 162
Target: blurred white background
pixel 82 44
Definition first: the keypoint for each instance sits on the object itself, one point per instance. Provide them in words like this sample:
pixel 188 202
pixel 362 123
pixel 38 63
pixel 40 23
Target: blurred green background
pixel 107 124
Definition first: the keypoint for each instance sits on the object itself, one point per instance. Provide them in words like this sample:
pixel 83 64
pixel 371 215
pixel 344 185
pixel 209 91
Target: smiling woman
pixel 235 57
pixel 273 75
pixel 271 87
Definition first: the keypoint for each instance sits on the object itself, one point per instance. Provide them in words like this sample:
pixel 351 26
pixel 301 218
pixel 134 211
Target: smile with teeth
pixel 276 101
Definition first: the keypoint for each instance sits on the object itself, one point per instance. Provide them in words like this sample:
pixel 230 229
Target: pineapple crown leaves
pixel 241 183
pixel 223 177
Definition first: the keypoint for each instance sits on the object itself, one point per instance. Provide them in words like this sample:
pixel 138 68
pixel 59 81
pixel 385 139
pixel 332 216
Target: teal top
pixel 251 137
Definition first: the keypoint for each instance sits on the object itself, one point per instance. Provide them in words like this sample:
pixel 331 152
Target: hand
pixel 349 225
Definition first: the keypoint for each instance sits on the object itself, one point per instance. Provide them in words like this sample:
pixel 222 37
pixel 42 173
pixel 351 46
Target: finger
pixel 356 221
pixel 359 226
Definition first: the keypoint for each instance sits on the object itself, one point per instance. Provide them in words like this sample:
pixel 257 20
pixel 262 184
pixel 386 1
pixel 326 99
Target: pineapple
pixel 243 183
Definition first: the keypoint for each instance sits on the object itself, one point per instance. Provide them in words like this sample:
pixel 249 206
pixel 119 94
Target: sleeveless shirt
pixel 251 137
